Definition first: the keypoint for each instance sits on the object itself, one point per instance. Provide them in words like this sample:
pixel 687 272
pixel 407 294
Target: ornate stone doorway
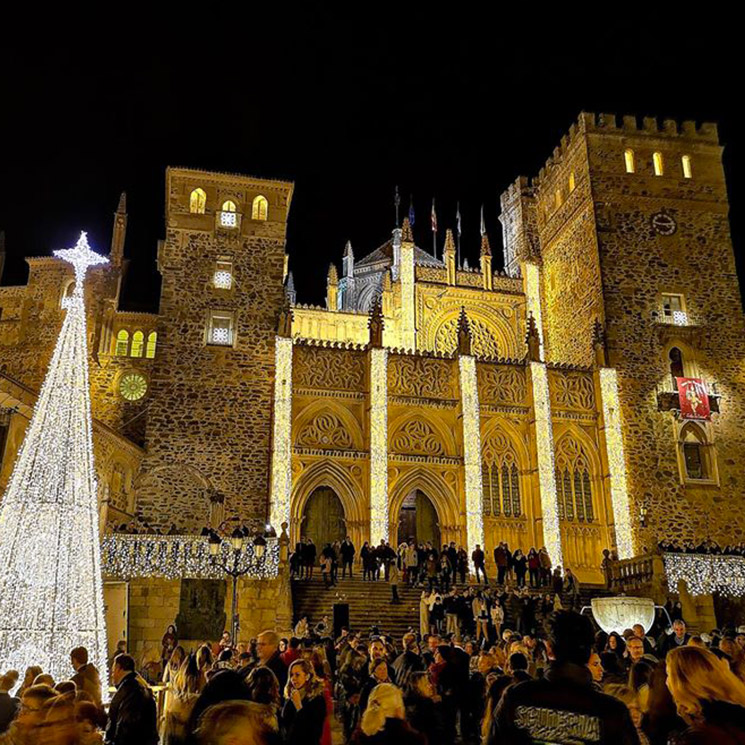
pixel 417 520
pixel 323 517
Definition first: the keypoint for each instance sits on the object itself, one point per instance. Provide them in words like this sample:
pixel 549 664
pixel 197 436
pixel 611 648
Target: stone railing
pixel 643 574
pixel 127 556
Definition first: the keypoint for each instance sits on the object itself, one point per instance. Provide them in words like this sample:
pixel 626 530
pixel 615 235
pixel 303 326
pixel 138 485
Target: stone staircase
pixel 370 604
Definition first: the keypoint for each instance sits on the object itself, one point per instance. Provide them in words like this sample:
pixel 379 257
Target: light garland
pixel 378 445
pixel 546 468
pixel 128 556
pixel 408 321
pixel 533 298
pixel 616 462
pixel 50 575
pixel 472 452
pixel 705 574
pixel 279 506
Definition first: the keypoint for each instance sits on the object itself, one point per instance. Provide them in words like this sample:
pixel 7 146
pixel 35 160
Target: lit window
pixel 628 157
pixel 152 342
pixel 673 310
pixel 573 482
pixel 228 216
pixel 260 209
pixel 571 181
pixel 133 386
pixel 122 343
pixel 658 166
pixel 220 330
pixel 223 276
pixel 138 344
pixel 197 201
pixel 685 162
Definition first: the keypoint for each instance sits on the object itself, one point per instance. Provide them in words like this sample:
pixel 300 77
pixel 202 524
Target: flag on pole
pixel 457 216
pixel 411 210
pixel 483 224
pixel 397 202
pixel 434 217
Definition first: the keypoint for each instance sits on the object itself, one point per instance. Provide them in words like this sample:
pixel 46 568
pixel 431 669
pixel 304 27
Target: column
pixel 378 445
pixel 532 288
pixel 279 505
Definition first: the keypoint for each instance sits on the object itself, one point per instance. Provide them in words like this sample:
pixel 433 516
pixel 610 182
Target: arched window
pixel 138 344
pixel 696 454
pixel 571 181
pixel 658 165
pixel 685 163
pixel 152 341
pixel 500 478
pixel 628 158
pixel 260 209
pixel 197 201
pixel 677 369
pixel 228 206
pixel 573 482
pixel 228 216
pixel 122 343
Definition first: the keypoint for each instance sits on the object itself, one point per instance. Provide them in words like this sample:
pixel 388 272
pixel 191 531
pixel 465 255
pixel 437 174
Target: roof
pixel 384 255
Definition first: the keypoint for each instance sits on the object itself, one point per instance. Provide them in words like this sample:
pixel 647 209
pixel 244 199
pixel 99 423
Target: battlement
pixel 629 124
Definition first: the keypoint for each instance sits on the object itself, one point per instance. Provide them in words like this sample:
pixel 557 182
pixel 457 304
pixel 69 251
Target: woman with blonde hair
pixel 183 694
pixel 384 723
pixel 304 713
pixel 708 695
pixel 28 679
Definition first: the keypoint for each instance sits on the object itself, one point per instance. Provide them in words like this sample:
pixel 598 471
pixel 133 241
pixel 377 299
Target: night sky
pixel 345 101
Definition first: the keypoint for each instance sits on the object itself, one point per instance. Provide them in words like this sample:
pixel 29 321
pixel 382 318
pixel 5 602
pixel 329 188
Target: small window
pixel 122 343
pixel 197 201
pixel 658 164
pixel 673 310
pixel 571 181
pixel 220 331
pixel 628 158
pixel 694 460
pixel 223 276
pixel 677 369
pixel 685 162
pixel 260 209
pixel 228 216
pixel 152 342
pixel 138 344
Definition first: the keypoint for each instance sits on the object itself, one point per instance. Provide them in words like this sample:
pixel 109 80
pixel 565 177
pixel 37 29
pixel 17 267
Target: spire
pixel 348 249
pixel 333 275
pixel 332 288
pixel 486 270
pixel 122 208
pixel 347 261
pixel 464 333
pixel 284 317
pixel 449 242
pixel 485 247
pixel 120 231
pixel 290 293
pixel 449 257
pixel 406 234
pixel 376 324
pixel 387 286
pixel 533 340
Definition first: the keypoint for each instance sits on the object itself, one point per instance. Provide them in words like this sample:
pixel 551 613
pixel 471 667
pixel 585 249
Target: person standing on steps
pixel 394 576
pixel 347 557
pixel 310 558
pixel 478 558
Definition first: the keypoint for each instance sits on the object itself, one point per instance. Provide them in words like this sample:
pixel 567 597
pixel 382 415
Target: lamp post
pixel 232 567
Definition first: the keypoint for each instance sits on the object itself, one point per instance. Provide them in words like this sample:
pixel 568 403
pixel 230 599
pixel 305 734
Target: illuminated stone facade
pixel 590 253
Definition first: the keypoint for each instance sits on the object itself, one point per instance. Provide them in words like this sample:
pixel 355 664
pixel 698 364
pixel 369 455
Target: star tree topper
pixel 81 257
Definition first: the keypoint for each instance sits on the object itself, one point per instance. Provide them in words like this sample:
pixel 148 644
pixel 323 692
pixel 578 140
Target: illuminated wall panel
pixel 279 508
pixel 378 445
pixel 471 451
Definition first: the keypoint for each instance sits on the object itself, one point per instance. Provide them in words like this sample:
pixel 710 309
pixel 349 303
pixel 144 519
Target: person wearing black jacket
pixel 132 713
pixel 563 706
pixel 304 712
pixel 422 713
pixel 309 557
pixel 347 557
pixel 408 662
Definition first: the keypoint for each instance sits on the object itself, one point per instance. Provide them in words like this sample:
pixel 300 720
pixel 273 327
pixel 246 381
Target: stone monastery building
pixel 538 406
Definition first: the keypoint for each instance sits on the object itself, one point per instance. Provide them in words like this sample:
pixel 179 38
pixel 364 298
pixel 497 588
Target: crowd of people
pixel 706 547
pixel 561 682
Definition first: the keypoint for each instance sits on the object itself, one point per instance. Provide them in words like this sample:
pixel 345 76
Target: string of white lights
pixel 50 576
pixel 279 506
pixel 378 445
pixel 533 298
pixel 705 574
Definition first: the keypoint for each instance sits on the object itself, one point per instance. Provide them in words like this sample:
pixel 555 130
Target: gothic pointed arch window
pixel 628 159
pixel 197 201
pixel 229 214
pixel 574 482
pixel 500 478
pixel 138 344
pixel 152 342
pixel 696 454
pixel 260 208
pixel 122 343
pixel 677 368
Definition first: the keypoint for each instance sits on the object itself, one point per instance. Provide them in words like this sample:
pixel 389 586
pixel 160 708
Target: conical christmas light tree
pixel 51 595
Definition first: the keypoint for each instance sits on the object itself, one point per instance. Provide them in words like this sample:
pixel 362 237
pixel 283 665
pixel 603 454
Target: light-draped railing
pixel 706 574
pixel 126 556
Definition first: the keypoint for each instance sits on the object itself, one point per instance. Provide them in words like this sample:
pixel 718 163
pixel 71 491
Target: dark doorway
pixel 323 517
pixel 417 520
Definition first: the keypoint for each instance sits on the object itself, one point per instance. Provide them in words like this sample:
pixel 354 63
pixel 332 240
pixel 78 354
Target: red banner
pixel 694 400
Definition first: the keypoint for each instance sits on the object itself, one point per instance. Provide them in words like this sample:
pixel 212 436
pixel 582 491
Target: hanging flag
pixel 457 216
pixel 693 398
pixel 434 217
pixel 411 211
pixel 483 224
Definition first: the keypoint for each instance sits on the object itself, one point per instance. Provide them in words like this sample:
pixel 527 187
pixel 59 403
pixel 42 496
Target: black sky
pixel 346 101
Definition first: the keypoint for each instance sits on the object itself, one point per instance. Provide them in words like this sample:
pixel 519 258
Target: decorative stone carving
pixel 421 377
pixel 342 370
pixel 417 437
pixel 571 390
pixel 326 432
pixel 484 342
pixel 501 384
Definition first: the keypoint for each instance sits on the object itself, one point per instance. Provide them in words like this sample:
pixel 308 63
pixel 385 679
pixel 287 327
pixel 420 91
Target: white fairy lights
pixel 706 573
pixel 471 452
pixel 378 445
pixel 616 462
pixel 279 506
pixel 533 298
pixel 408 320
pixel 546 468
pixel 127 556
pixel 50 576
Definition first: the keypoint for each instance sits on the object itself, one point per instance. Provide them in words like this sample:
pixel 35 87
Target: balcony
pixel 228 221
pixel 668 401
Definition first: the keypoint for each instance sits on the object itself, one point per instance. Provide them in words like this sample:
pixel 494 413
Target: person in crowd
pixel 9 705
pixel 479 565
pixel 384 721
pixel 520 567
pixel 616 645
pixel 709 697
pixel 292 652
pixel 309 556
pixel 563 706
pixel 534 568
pixel 168 644
pixel 500 559
pixel 571 588
pixel 59 726
pixel 545 559
pixel 183 693
pixel 595 666
pixel 86 677
pixel 366 558
pixel 28 679
pixel 634 650
pixel 424 605
pixel 267 650
pixel 481 616
pixel 44 679
pixel 88 720
pixel 679 638
pixel 517 667
pixel 24 729
pixel 226 685
pixel 423 712
pixel 304 710
pixel 394 577
pixel 174 664
pixel 462 564
pixel 613 671
pixel 132 712
pixel 234 722
pixel 628 696
pixel 408 662
pixel 378 672
pixel 347 551
pixel 326 566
